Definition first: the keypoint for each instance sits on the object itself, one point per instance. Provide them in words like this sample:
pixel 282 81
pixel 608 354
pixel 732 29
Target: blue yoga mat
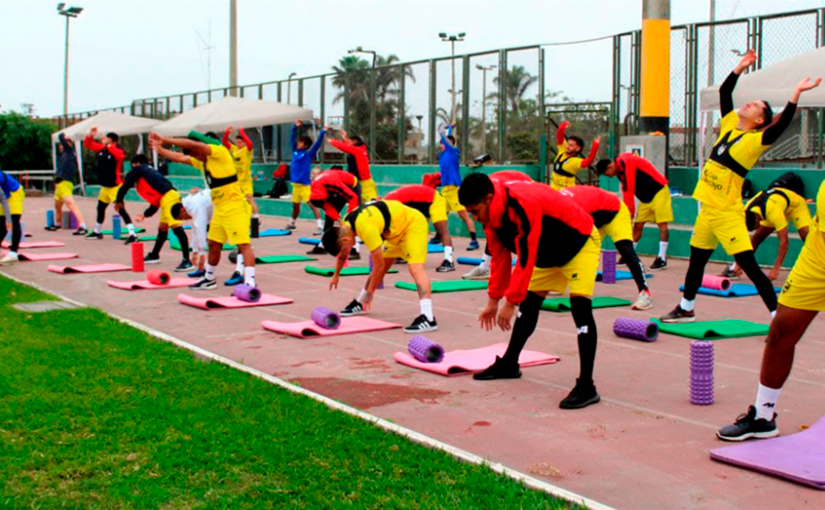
pixel 736 290
pixel 310 241
pixel 470 261
pixel 274 232
pixel 622 275
pixel 435 248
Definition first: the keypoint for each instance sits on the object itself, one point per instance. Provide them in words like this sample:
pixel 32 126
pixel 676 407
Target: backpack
pixel 790 181
pixel 278 188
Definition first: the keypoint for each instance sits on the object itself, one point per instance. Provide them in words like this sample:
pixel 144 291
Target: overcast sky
pixel 125 50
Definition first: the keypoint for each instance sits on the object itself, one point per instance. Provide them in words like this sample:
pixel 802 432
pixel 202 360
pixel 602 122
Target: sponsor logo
pixel 769 405
pixel 582 330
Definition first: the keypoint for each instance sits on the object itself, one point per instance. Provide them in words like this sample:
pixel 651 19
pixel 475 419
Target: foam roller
pixel 158 277
pixel 66 221
pixel 326 318
pixel 49 218
pixel 137 257
pixel 715 282
pixel 609 266
pixel 116 227
pixel 72 221
pixel 425 350
pixel 701 373
pixel 247 293
pixel 645 331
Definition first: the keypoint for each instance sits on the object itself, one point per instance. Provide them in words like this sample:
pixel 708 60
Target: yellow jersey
pixel 775 207
pixel 243 162
pixel 219 166
pixel 370 224
pixel 567 166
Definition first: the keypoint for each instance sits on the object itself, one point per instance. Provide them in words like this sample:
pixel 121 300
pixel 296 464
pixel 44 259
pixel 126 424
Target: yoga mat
pixel 174 283
pixel 447 286
pixel 435 248
pixel 24 245
pixel 347 271
pixel 714 330
pixel 138 230
pixel 230 302
pixel 308 329
pixel 463 362
pixel 736 290
pixel 274 232
pixel 175 244
pixel 622 275
pixel 471 261
pixel 798 457
pixel 144 239
pixel 563 304
pixel 310 241
pixel 278 259
pixel 97 268
pixel 39 257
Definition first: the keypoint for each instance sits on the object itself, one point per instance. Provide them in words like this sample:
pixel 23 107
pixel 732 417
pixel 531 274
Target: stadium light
pixel 68 13
pixel 452 39
pixel 360 49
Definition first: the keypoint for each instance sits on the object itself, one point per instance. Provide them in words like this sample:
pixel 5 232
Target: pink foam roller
pixel 158 277
pixel 645 331
pixel 326 318
pixel 247 293
pixel 425 350
pixel 710 281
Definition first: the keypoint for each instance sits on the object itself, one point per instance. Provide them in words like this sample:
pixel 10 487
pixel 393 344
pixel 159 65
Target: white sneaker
pixel 645 302
pixel 9 259
pixel 291 225
pixel 318 231
pixel 478 273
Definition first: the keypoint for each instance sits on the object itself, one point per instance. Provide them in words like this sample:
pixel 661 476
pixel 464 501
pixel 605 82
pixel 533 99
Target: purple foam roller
pixel 425 350
pixel 247 293
pixel 72 221
pixel 609 266
pixel 326 318
pixel 646 331
pixel 701 373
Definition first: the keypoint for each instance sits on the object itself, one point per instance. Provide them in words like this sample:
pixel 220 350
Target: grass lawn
pixel 96 414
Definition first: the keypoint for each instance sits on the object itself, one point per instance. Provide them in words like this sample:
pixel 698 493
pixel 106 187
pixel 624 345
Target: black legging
pixel 101 213
pixel 16 231
pixel 746 260
pixel 637 269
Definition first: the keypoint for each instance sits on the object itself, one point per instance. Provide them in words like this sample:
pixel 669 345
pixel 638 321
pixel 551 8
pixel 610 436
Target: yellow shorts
pixel 108 195
pixel 658 210
pixel 620 229
pixel 450 194
pixel 246 186
pixel 368 190
pixel 579 273
pixel 559 181
pixel 166 202
pixel 230 223
pixel 803 288
pixel 412 245
pixel 63 189
pixel 438 209
pixel 300 193
pixel 714 226
pixel 15 203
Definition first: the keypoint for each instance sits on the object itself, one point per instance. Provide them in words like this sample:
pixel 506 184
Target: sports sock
pixel 362 296
pixel 131 228
pixel 249 276
pixel 582 309
pixel 527 317
pixel 210 271
pixel 98 227
pixel 239 266
pixel 766 399
pixel 83 225
pixel 687 304
pixel 773 314
pixel 663 250
pixel 635 245
pixel 473 236
pixel 448 254
pixel 485 262
pixel 427 308
pixel 320 223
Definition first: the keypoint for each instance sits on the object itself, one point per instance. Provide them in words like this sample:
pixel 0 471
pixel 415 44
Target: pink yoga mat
pixel 35 244
pixel 231 302
pixel 463 362
pixel 308 329
pixel 98 268
pixel 797 457
pixel 174 283
pixel 39 257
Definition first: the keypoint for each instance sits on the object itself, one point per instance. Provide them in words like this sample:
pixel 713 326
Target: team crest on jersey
pixel 721 150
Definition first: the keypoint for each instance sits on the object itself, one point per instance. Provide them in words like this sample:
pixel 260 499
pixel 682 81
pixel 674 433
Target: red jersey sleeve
pixel 560 133
pixel 343 146
pixel 628 170
pixel 117 152
pixel 246 140
pixel 92 144
pixel 594 151
pixel 225 140
pixel 528 224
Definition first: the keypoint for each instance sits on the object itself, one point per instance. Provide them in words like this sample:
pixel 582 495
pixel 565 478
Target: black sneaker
pixel 151 258
pixel 354 308
pixel 131 239
pixel 421 325
pixel 317 250
pixel 92 235
pixel 583 395
pixel 80 232
pixel 435 240
pixel 729 273
pixel 53 228
pixel 747 426
pixel 205 284
pixel 498 370
pixel 184 267
pixel 445 267
pixel 354 255
pixel 678 316
pixel 658 264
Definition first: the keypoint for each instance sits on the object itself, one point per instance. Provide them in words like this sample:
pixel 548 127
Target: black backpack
pixel 790 181
pixel 278 188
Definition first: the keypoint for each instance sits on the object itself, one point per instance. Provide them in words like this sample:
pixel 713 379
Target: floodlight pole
pixel 452 39
pixel 233 47
pixel 67 12
pixel 484 70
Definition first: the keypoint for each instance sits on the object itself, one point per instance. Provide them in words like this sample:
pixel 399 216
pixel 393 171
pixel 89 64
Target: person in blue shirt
pixel 449 163
pixel 11 196
pixel 303 152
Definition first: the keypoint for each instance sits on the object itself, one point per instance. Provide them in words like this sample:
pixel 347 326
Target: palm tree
pixel 516 83
pixel 350 79
pixel 389 74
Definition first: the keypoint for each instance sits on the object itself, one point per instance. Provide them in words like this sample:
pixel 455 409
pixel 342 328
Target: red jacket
pixel 417 196
pixel 601 205
pixel 506 176
pixel 432 180
pixel 336 189
pixel 540 225
pixel 639 179
pixel 109 162
pixel 358 157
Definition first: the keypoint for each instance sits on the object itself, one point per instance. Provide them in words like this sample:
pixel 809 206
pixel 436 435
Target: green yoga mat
pixel 714 330
pixel 448 286
pixel 563 304
pixel 175 244
pixel 347 271
pixel 278 259
pixel 144 239
pixel 123 231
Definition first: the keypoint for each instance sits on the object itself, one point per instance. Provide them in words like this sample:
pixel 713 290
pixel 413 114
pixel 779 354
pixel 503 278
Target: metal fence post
pixel 323 113
pixel 278 129
pixel 502 103
pixel 617 88
pixel 402 131
pixel 346 99
pixel 465 109
pixel 542 118
pixel 373 138
pixel 431 141
pixel 301 92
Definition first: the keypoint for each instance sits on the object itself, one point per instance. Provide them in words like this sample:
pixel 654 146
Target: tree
pixel 517 81
pixel 25 143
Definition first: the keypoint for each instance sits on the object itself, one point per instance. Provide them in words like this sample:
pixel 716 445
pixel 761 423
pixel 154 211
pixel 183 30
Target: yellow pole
pixel 654 105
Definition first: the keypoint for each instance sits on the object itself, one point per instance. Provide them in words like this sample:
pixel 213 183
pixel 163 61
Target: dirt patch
pixel 365 395
pixel 378 364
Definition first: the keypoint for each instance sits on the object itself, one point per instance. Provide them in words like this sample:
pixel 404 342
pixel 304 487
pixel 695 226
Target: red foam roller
pixel 158 277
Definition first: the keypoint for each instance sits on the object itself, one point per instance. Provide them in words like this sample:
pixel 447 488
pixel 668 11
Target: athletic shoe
pixel 184 266
pixel 435 240
pixel 205 284
pixel 318 232
pixel 498 370
pixel 9 259
pixel 317 250
pixel 198 273
pixel 151 258
pixel 658 264
pixel 583 395
pixel 747 426
pixel 477 273
pixel 354 308
pixel 354 255
pixel 421 325
pixel 729 273
pixel 678 316
pixel 445 267
pixel 131 239
pixel 53 228
pixel 291 226
pixel 236 279
pixel 92 235
pixel 80 232
pixel 473 245
pixel 644 302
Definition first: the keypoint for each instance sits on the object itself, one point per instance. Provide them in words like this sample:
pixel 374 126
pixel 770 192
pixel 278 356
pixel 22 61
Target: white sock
pixel 98 226
pixel 448 254
pixel 320 223
pixel 663 250
pixel 773 314
pixel 131 229
pixel 83 225
pixel 427 308
pixel 357 244
pixel 13 253
pixel 485 262
pixel 635 245
pixel 292 221
pixel 766 399
pixel 362 296
pixel 687 305
pixel 239 264
pixel 249 276
pixel 210 271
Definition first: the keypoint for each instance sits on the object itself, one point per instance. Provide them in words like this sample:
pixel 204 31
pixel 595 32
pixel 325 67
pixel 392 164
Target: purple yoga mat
pixel 646 331
pixel 247 293
pixel 326 318
pixel 425 350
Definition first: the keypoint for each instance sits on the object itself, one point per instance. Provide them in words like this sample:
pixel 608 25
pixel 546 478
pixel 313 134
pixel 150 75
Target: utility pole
pixel 233 47
pixel 654 107
pixel 289 88
pixel 711 41
pixel 484 105
pixel 452 39
pixel 68 12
